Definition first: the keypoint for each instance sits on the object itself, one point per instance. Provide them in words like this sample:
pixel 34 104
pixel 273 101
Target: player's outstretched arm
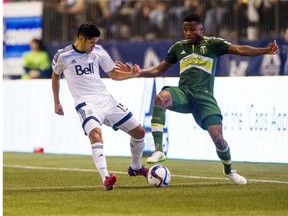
pixel 245 50
pixel 56 88
pixel 125 67
pixel 273 48
pixel 136 71
pixel 124 71
pixel 155 71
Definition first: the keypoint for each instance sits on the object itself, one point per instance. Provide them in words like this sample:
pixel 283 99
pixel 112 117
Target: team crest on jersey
pixel 203 49
pixel 93 56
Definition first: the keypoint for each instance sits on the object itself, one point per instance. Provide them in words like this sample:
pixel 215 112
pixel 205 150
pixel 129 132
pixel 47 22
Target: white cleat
pixel 156 157
pixel 236 178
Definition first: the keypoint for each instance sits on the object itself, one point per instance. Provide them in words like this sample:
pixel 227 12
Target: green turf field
pixel 47 184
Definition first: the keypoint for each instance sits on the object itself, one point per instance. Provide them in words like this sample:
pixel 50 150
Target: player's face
pixel 89 44
pixel 192 31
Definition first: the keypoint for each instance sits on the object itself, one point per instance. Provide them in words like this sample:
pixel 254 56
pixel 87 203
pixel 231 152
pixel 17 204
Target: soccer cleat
pixel 109 182
pixel 236 178
pixel 156 157
pixel 142 171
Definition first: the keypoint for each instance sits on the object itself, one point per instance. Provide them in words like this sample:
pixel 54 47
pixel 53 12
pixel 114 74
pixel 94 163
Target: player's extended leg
pixel 162 101
pixel 95 136
pixel 223 152
pixel 157 125
pixel 91 125
pixel 121 118
pixel 137 146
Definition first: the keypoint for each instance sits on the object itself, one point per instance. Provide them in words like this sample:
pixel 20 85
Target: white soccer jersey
pixel 81 71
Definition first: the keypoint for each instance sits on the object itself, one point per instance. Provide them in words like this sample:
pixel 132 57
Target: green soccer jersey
pixel 197 62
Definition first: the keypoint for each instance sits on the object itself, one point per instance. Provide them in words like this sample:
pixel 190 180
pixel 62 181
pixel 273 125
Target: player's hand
pixel 58 109
pixel 273 48
pixel 123 67
pixel 136 71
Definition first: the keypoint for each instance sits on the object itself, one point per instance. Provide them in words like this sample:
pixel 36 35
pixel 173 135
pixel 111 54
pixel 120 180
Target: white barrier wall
pixel 255 111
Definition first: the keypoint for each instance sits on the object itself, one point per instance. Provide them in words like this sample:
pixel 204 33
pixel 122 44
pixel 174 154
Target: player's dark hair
pixel 193 18
pixel 88 30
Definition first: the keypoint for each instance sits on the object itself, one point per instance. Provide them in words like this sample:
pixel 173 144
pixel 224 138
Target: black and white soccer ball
pixel 158 176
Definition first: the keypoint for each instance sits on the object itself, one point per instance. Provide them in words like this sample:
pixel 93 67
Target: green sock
pixel 225 157
pixel 157 124
pixel 158 136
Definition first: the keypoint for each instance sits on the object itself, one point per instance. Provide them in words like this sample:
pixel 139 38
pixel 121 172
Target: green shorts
pixel 202 105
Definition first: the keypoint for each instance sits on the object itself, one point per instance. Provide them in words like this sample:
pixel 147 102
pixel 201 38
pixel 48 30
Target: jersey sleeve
pixel 106 62
pixel 57 64
pixel 171 56
pixel 221 46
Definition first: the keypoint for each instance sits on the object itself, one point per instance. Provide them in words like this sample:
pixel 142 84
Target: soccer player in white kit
pixel 79 62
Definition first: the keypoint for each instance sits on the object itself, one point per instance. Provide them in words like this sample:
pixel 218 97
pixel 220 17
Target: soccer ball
pixel 158 176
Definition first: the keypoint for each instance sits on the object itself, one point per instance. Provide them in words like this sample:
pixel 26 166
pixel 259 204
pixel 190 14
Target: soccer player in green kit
pixel 197 55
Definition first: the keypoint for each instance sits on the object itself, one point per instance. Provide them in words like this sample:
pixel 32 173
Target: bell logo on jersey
pixel 85 70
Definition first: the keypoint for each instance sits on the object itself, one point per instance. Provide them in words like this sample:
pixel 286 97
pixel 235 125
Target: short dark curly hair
pixel 193 18
pixel 88 30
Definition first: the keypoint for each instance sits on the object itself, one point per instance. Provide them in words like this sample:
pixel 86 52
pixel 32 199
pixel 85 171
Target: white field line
pixel 89 187
pixel 119 172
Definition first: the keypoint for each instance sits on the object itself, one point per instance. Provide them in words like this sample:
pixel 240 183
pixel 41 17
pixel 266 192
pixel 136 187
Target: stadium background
pixel 261 103
pixel 129 24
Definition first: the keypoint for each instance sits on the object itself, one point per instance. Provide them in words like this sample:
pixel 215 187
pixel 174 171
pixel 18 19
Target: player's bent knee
pixel 138 132
pixel 163 99
pixel 159 100
pixel 141 131
pixel 95 135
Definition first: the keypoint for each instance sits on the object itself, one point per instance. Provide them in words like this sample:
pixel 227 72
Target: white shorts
pixel 111 113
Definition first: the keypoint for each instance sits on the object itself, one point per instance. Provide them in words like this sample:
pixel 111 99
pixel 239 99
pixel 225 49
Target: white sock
pixel 136 148
pixel 99 159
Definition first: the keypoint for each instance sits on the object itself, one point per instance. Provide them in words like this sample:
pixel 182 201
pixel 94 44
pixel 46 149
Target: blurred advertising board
pixel 22 21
